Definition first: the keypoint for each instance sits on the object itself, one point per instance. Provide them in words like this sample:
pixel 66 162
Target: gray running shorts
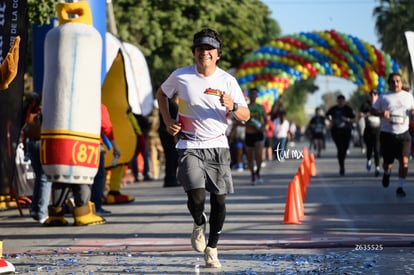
pixel 205 168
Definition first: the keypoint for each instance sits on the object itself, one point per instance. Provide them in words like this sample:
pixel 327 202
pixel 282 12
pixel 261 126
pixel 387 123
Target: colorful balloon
pixel 285 60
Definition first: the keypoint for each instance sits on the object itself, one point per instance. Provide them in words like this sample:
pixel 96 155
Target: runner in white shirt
pixel 395 109
pixel 206 94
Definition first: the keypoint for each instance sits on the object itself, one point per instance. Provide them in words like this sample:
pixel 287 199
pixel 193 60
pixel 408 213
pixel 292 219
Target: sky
pixel 352 17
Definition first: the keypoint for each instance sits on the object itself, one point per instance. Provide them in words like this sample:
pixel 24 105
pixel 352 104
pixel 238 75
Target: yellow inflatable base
pixel 115 97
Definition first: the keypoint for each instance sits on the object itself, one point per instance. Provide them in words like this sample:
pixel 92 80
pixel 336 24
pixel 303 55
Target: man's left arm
pixel 241 113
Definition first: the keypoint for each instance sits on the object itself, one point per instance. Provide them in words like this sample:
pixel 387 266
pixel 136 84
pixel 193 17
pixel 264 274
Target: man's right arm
pixel 172 126
pixel 163 105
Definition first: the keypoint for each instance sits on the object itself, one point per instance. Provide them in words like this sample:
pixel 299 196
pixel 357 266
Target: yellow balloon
pixel 257 70
pixel 240 73
pixel 299 68
pixel 374 78
pixel 279 44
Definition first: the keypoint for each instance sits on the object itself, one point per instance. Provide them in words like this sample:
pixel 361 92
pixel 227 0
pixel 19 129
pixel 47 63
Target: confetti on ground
pixel 300 261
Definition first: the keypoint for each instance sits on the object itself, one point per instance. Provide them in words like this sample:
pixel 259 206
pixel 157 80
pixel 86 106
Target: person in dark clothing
pixel 168 143
pixel 371 132
pixel 317 131
pixel 341 117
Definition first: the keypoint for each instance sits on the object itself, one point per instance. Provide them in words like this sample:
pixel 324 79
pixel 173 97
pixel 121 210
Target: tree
pixel 295 97
pixel 40 12
pixel 393 18
pixel 164 30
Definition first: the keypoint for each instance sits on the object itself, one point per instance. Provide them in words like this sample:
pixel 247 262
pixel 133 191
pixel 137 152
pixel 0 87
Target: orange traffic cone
pixel 291 211
pixel 312 165
pixel 303 181
pixel 305 159
pixel 298 196
pixel 304 173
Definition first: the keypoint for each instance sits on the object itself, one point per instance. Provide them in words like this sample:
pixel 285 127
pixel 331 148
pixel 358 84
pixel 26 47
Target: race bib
pixel 397 119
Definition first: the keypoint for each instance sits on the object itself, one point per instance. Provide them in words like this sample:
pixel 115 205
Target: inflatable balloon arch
pixel 285 60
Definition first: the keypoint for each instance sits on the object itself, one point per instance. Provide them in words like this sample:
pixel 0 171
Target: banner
pixel 13 22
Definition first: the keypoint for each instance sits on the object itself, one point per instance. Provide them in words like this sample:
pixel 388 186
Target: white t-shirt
pixel 400 105
pixel 202 117
pixel 281 128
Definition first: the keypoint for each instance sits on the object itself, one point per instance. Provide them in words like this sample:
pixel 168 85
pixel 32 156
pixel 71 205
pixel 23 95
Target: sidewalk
pixel 151 235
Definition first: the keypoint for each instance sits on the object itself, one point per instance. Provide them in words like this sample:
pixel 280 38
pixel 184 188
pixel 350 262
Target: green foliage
pixel 393 18
pixel 329 99
pixel 164 30
pixel 40 12
pixel 357 99
pixel 294 99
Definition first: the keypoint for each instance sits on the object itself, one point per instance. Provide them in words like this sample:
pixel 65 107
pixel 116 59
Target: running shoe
pixel 400 192
pixel 377 171
pixel 369 165
pixel 198 239
pixel 385 180
pixel 259 179
pixel 211 258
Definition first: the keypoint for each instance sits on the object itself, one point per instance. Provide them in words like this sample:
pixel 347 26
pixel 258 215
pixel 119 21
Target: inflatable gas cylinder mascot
pixel 71 99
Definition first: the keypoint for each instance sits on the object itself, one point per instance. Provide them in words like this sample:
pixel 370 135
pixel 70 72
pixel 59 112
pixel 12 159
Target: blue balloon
pixel 250 77
pixel 260 93
pixel 395 66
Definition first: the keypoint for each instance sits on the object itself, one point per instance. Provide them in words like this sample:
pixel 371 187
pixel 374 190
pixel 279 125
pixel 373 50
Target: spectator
pixel 155 149
pixel 281 135
pixel 100 178
pixel 42 186
pixel 292 133
pixel 269 140
pixel 237 138
pixel 371 133
pixel 168 143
